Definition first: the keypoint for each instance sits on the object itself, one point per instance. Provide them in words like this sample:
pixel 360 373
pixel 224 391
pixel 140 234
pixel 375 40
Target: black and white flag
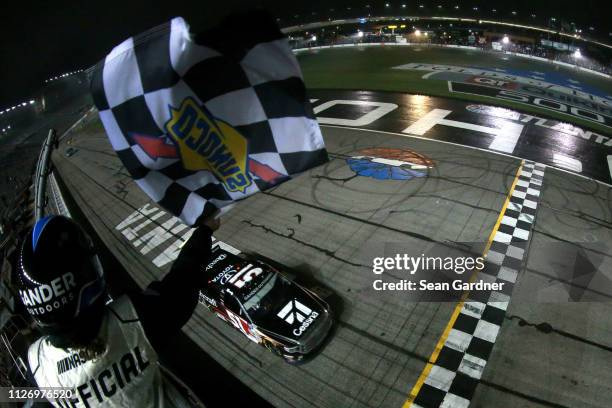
pixel 202 121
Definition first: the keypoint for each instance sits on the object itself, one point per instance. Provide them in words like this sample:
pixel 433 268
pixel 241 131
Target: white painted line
pixel 530 204
pixel 516 252
pixel 535 182
pixel 381 109
pixel 515 207
pixel 498 297
pixel 451 401
pixel 507 274
pixel 505 139
pixel 75 124
pixel 522 183
pixel 426 122
pixel 509 221
pixel 473 309
pixel 458 340
pixel 429 74
pixel 440 378
pixel 228 247
pixel 495 257
pixel 502 237
pixel 533 192
pixel 486 331
pixel 521 233
pixel 165 235
pixel 472 366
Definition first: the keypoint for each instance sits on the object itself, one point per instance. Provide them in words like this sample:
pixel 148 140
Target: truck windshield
pixel 270 293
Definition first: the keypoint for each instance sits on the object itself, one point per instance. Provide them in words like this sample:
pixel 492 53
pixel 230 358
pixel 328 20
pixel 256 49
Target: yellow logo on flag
pixel 206 143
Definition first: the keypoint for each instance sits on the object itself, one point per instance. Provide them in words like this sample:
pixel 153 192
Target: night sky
pixel 44 39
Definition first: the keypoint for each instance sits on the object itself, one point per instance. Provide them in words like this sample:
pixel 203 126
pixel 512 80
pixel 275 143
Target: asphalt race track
pixel 536 138
pixel 553 349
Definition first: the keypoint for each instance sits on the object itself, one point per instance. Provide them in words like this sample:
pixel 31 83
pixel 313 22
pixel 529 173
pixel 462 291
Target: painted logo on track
pixel 383 163
pixel 203 142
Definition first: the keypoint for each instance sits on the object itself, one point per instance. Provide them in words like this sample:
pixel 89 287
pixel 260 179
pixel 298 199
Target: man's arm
pixel 166 305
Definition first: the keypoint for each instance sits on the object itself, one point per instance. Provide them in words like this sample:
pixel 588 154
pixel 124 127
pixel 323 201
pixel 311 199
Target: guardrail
pixel 43 176
pixel 58 199
pixel 42 170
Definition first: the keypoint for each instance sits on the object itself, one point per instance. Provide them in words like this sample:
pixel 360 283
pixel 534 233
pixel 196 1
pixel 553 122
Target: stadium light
pixel 403 6
pixel 386 4
pixel 505 40
pixel 577 53
pixel 417 33
pixel 31 101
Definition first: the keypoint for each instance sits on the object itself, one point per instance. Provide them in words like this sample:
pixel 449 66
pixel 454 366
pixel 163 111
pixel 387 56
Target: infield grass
pixel 370 68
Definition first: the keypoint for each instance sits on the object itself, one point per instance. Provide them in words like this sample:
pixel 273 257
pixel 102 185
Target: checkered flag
pixel 202 121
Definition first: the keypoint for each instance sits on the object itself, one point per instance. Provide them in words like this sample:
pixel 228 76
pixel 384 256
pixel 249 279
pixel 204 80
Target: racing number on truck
pixel 245 275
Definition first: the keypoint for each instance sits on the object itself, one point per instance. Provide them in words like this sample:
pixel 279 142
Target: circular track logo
pixel 383 163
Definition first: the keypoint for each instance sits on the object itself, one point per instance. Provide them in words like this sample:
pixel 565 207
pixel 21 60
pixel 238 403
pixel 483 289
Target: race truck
pixel 265 304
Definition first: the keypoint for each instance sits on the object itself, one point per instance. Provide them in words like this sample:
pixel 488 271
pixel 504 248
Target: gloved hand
pixel 213 222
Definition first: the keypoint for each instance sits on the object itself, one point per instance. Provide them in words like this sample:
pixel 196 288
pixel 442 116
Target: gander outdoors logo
pixel 205 143
pixel 295 311
pixel 390 164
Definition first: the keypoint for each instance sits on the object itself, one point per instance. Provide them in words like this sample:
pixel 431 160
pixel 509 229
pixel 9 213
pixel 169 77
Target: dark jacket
pixel 166 305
